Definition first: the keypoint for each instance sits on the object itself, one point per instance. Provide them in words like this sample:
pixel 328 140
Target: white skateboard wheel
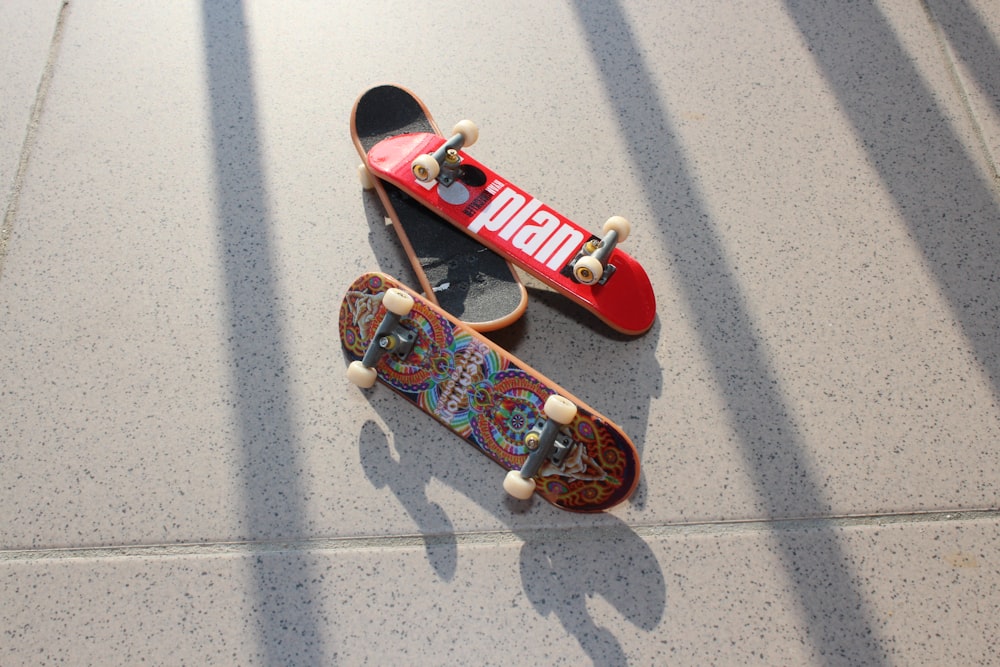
pixel 518 486
pixel 425 168
pixel 588 270
pixel 560 410
pixel 365 177
pixel 397 302
pixel 620 225
pixel 361 375
pixel 468 130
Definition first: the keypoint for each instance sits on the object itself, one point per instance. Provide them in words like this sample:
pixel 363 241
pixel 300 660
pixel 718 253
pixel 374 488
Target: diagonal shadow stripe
pixel 950 208
pixel 839 625
pixel 962 27
pixel 268 472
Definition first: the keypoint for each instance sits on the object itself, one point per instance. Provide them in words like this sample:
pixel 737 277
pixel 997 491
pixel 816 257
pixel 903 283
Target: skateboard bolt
pixel 387 343
pixel 531 441
pixel 451 157
pixel 592 246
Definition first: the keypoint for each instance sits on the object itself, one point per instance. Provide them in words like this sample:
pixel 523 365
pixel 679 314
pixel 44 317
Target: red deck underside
pixel 513 223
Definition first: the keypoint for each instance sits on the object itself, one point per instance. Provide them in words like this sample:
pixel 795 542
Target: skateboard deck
pixel 472 283
pixel 518 227
pixel 490 398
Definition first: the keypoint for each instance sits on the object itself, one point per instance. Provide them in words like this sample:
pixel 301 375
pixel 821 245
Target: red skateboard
pixel 551 442
pixel 590 270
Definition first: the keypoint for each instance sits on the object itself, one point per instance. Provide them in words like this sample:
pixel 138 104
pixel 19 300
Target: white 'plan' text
pixel 528 226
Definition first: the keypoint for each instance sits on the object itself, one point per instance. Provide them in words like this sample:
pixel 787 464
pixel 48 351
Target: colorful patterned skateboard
pixel 552 443
pixel 475 285
pixel 589 270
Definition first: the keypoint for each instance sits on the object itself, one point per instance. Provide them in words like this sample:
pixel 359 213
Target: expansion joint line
pixel 14 196
pixel 497 538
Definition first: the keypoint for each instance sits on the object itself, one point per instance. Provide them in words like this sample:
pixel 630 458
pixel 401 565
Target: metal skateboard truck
pixel 546 443
pixel 390 338
pixel 444 164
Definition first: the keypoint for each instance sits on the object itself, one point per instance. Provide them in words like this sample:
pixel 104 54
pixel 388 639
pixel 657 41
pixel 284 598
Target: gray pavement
pixel 188 478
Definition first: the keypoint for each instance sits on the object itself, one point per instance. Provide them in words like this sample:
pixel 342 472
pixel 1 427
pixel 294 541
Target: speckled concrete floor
pixel 187 477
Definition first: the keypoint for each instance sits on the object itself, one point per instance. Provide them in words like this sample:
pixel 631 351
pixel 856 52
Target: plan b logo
pixel 528 226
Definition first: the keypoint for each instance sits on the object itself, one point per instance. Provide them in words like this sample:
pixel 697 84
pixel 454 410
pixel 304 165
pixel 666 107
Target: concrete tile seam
pixel 493 538
pixel 14 195
pixel 956 79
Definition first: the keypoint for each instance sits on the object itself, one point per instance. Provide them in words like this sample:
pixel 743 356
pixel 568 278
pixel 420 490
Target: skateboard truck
pixel 545 442
pixel 445 164
pixel 590 266
pixel 391 337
